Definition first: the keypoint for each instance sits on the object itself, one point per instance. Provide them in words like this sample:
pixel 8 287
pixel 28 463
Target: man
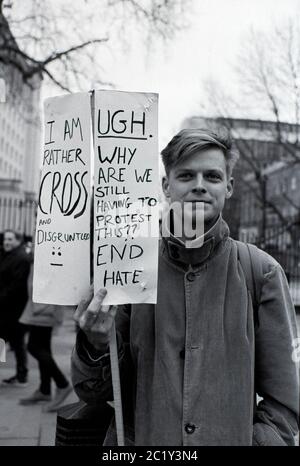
pixel 14 271
pixel 192 364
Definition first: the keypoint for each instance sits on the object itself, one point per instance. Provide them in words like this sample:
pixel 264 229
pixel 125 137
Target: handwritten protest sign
pixel 126 196
pixel 62 241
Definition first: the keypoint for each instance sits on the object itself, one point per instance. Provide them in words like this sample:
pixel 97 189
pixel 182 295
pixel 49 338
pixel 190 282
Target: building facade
pixel 20 140
pixel 267 174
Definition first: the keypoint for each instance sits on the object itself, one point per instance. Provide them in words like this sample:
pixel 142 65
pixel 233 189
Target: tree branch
pixel 53 79
pixel 59 55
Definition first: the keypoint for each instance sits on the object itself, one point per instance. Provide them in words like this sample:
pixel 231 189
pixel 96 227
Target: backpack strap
pixel 251 262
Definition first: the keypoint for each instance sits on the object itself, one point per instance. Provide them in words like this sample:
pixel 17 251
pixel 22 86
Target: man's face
pixel 200 178
pixel 10 242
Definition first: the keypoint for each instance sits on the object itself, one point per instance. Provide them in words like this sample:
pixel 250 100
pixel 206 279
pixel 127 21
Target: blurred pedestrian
pixel 14 271
pixel 41 319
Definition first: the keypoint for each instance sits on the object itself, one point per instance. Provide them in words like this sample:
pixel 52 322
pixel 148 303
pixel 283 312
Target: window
pixel 293 183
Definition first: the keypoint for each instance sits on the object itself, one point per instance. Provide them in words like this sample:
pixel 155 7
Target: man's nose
pixel 199 184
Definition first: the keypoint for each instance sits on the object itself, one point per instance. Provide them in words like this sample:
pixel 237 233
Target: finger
pixel 103 323
pixel 84 303
pixel 87 320
pixel 97 300
pixel 105 319
pixel 105 308
pixel 88 317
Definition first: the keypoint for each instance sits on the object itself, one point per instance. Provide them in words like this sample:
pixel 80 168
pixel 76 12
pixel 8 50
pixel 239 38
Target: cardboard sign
pixel 126 196
pixel 62 241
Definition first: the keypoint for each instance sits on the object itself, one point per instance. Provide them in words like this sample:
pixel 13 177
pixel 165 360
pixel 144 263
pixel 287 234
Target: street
pixel 29 425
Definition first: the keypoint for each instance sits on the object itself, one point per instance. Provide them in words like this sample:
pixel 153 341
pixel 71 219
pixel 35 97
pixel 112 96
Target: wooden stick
pixel 113 349
pixel 115 375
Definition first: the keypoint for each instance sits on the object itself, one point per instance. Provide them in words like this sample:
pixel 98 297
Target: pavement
pixel 29 425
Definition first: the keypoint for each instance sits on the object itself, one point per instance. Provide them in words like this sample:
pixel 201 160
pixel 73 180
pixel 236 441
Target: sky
pixel 206 49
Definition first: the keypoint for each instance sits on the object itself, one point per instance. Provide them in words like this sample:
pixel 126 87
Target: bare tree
pixel 63 41
pixel 268 73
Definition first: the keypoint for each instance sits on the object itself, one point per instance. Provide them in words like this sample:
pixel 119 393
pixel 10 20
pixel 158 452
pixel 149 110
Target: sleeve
pixel 90 369
pixel 276 418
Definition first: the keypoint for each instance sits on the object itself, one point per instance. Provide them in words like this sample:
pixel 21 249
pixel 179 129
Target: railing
pixel 284 245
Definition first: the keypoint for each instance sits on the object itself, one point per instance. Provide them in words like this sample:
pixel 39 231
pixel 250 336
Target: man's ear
pixel 229 188
pixel 165 186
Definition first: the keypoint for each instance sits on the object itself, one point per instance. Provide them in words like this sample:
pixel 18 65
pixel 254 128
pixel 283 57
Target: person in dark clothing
pixel 41 319
pixel 14 271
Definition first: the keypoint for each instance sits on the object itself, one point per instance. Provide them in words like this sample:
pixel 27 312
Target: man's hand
pixel 94 319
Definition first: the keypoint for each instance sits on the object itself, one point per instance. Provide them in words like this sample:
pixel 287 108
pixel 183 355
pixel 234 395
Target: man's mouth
pixel 199 201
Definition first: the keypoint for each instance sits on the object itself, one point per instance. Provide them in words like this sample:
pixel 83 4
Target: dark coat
pixel 41 315
pixel 199 359
pixel 14 271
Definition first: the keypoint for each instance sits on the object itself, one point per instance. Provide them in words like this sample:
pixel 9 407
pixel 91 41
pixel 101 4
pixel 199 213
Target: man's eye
pixel 214 176
pixel 185 176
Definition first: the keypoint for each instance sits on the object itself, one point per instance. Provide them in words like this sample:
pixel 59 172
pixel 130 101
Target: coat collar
pixel 177 251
